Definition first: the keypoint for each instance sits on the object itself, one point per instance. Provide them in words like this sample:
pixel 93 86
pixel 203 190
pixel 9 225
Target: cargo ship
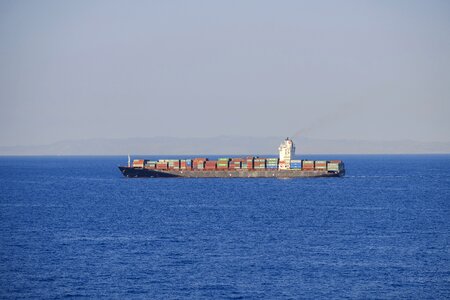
pixel 283 166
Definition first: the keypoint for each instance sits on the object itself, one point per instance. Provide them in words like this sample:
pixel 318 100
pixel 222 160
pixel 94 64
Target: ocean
pixel 74 227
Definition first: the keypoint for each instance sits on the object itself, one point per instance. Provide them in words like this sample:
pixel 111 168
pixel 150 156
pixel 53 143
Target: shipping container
pixel 138 163
pixel 335 166
pixel 167 160
pixel 320 165
pixel 161 166
pixel 308 165
pixel 250 162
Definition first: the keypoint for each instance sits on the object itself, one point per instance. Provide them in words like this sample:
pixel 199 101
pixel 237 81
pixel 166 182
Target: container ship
pixel 283 166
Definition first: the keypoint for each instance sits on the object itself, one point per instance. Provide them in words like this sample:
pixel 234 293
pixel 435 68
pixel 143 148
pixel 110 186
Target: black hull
pixel 150 173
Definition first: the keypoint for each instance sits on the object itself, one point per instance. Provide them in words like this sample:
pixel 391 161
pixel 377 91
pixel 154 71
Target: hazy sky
pixel 372 70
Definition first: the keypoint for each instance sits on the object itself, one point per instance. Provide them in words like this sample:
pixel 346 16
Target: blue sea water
pixel 74 227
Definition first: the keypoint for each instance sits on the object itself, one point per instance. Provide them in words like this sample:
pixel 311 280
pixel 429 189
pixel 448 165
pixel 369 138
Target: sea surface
pixel 73 227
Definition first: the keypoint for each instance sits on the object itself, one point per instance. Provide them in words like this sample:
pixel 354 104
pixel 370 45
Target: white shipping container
pixel 333 166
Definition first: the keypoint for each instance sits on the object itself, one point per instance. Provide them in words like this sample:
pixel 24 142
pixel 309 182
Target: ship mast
pixel 129 161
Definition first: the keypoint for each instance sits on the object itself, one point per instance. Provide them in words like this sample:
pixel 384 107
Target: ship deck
pixel 240 173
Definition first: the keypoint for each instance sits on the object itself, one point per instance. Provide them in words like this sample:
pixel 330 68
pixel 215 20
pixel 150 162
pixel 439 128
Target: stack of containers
pixel 210 165
pixel 176 165
pixel 138 163
pixel 151 164
pixel 222 163
pixel 320 165
pixel 308 165
pixel 161 165
pixel 188 164
pixel 249 163
pixel 272 163
pixel 235 163
pixel 171 163
pixel 259 163
pixel 334 165
pixel 185 164
pixel 296 164
pixel 199 163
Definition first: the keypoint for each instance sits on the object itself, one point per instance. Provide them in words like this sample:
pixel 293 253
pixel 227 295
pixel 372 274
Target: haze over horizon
pixel 353 70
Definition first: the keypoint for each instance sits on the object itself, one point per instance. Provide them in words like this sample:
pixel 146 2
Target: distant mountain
pixel 223 145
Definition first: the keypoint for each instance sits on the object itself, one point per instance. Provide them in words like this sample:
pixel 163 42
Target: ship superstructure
pixel 287 152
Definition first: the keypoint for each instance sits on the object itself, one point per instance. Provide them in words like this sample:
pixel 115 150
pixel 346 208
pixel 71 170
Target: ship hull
pixel 241 173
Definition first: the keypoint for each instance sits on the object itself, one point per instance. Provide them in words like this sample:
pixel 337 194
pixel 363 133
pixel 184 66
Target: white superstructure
pixel 287 152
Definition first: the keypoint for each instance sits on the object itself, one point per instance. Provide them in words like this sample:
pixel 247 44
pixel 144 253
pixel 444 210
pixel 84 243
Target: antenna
pixel 129 161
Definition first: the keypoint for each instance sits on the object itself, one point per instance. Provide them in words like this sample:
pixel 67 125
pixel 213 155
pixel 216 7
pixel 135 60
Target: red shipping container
pixel 161 166
pixel 138 163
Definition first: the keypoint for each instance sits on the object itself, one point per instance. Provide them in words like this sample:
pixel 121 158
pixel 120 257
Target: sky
pixel 361 70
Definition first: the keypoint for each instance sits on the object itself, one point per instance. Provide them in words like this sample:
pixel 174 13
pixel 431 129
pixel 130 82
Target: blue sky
pixel 372 70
